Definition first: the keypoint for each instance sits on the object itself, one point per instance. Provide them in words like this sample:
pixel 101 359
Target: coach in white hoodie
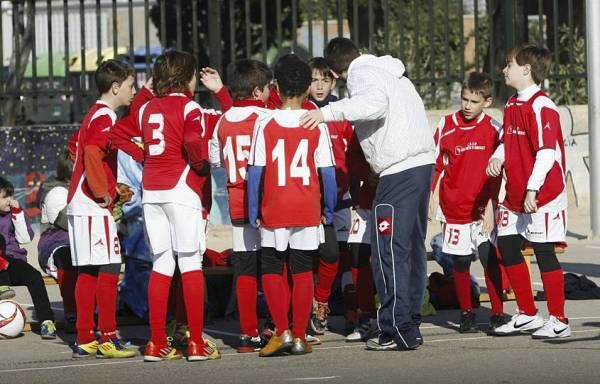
pixel 391 125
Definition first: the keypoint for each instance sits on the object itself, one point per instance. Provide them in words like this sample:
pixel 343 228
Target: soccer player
pixel 535 206
pixel 175 140
pixel 286 161
pixel 230 146
pixel 95 248
pixel 465 141
pixel 336 235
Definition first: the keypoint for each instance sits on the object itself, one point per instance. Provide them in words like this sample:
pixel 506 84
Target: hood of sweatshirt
pixel 385 63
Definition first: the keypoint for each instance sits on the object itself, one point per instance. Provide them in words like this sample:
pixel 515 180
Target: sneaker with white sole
pixel 553 328
pixel 520 323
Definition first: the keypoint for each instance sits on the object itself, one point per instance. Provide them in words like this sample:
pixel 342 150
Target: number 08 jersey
pixel 291 192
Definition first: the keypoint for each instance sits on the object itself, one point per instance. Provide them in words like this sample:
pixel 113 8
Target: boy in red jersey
pixel 95 248
pixel 535 206
pixel 465 141
pixel 230 146
pixel 284 160
pixel 174 132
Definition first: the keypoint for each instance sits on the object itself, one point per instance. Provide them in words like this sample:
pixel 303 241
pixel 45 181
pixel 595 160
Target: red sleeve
pixel 274 101
pixel 224 98
pixel 210 118
pixel 122 133
pixel 195 143
pixel 142 97
pixel 439 161
pixel 72 145
pixel 98 132
pixel 94 169
pixel 550 128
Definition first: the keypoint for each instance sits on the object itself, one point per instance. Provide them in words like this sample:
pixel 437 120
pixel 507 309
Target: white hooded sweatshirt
pixel 388 115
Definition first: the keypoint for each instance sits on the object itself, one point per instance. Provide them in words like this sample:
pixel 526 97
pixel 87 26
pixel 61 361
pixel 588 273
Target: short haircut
pixel 245 75
pixel 6 187
pixel 64 167
pixel 319 64
pixel 539 58
pixel 110 72
pixel 339 53
pixel 172 72
pixel 293 76
pixel 479 83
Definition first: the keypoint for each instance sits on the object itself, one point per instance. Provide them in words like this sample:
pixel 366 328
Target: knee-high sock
pixel 493 282
pixel 85 296
pixel 462 286
pixel 302 302
pixel 180 308
pixel 67 278
pixel 554 286
pixel 246 288
pixel 520 281
pixel 158 296
pixel 106 297
pixel 277 293
pixel 193 292
pixel 326 276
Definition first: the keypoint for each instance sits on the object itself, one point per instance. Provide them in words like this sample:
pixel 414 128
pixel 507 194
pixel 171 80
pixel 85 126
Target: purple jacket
pixel 16 230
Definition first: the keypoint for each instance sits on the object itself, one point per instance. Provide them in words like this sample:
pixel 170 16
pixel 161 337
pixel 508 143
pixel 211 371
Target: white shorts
pixel 174 226
pixel 94 240
pixel 245 238
pixel 342 220
pixel 538 227
pixel 360 232
pixel 464 239
pixel 303 238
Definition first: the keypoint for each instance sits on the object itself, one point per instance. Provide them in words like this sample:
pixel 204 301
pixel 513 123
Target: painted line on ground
pixel 313 378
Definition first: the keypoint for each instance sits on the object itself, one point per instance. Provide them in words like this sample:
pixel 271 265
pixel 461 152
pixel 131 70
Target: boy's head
pixel 116 81
pixel 476 94
pixel 322 81
pixel 293 77
pixel 6 192
pixel 249 79
pixel 64 167
pixel 174 72
pixel 339 53
pixel 526 65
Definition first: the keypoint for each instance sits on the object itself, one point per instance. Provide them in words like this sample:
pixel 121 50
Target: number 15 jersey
pixel 291 191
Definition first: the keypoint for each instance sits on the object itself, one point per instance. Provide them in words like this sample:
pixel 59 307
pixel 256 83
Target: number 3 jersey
pixel 291 191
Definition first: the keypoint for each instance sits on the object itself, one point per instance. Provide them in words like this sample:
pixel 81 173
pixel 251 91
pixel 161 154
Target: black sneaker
pixel 250 344
pixel 383 342
pixel 496 321
pixel 467 323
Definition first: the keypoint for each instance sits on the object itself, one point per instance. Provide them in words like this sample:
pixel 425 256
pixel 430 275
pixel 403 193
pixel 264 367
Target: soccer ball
pixel 12 319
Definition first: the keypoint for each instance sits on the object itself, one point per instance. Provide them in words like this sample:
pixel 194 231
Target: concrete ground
pixel 446 356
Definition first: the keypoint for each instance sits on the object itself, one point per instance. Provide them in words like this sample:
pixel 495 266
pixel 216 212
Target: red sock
pixel 462 287
pixel 158 296
pixel 554 286
pixel 354 272
pixel 493 282
pixel 326 275
pixel 246 288
pixel 193 293
pixel 85 296
pixel 521 284
pixel 180 309
pixel 302 301
pixel 276 289
pixel 106 297
pixel 67 278
pixel 287 289
pixel 364 287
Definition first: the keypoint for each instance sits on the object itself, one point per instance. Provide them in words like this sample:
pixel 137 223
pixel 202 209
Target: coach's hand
pixel 530 203
pixel 494 167
pixel 312 119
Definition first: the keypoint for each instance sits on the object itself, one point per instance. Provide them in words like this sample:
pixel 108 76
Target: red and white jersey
pixel 463 151
pixel 94 130
pixel 230 146
pixel 291 192
pixel 341 133
pixel 531 124
pixel 165 122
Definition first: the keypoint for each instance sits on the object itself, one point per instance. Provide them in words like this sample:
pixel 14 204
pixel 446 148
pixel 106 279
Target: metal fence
pixel 439 41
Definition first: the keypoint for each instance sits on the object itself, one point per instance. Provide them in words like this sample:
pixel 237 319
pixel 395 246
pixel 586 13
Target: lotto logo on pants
pixel 384 225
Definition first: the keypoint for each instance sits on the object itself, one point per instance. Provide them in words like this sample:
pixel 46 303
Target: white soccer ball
pixel 12 319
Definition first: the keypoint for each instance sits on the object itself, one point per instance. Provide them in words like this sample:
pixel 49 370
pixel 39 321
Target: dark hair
pixel 293 76
pixel 339 53
pixel 172 72
pixel 6 187
pixel 479 83
pixel 319 64
pixel 110 72
pixel 245 75
pixel 64 167
pixel 539 58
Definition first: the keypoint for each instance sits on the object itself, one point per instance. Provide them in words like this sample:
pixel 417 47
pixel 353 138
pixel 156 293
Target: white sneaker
pixel 354 336
pixel 553 328
pixel 520 323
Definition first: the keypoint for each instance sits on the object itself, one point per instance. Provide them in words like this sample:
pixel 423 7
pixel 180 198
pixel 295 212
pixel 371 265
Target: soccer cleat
pixel 250 344
pixel 113 349
pixel 553 328
pixel 6 292
pixel 153 352
pixel 520 323
pixel 200 352
pixel 383 342
pixel 468 324
pixel 278 344
pixel 84 350
pixel 497 320
pixel 48 330
pixel 300 347
pixel 318 320
pixel 312 340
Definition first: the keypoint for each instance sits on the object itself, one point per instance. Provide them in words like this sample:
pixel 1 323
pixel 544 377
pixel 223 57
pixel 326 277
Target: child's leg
pixel 192 279
pixel 462 281
pixel 518 274
pixel 493 275
pixel 106 297
pixel 21 273
pixel 274 287
pixel 67 278
pixel 552 278
pixel 302 276
pixel 163 267
pixel 245 266
pixel 329 258
pixel 363 277
pixel 85 297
